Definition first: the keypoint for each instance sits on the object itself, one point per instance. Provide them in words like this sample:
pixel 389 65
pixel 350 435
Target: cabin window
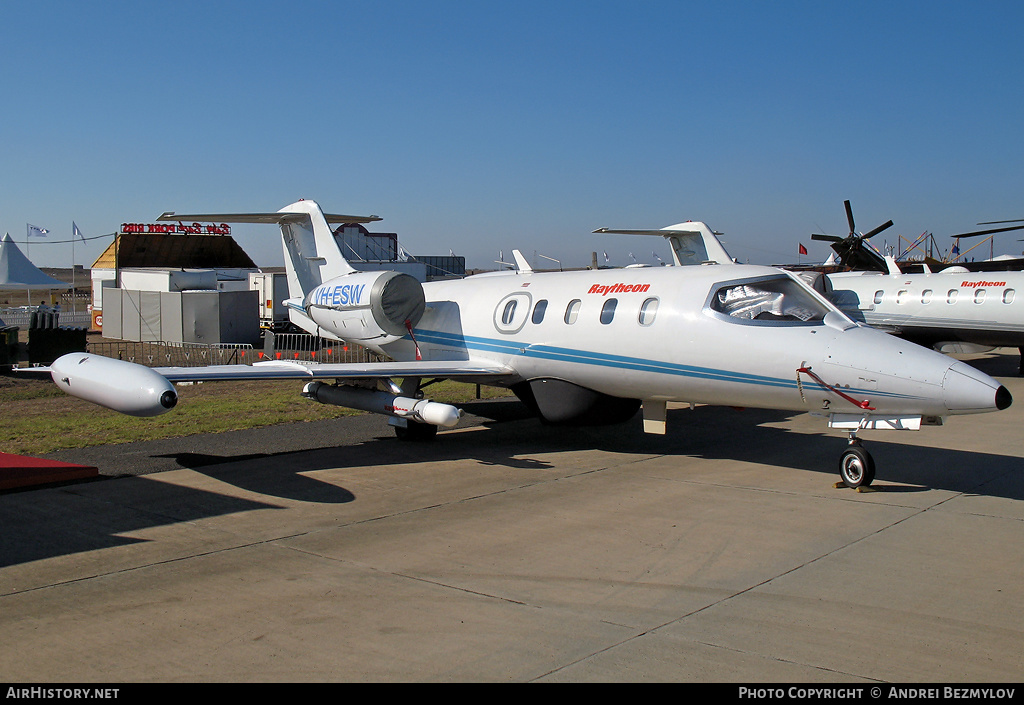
pixel 926 296
pixel 879 295
pixel 572 311
pixel 512 312
pixel 901 296
pixel 776 299
pixel 509 312
pixel 1008 296
pixel 979 296
pixel 538 311
pixel 648 310
pixel 608 311
pixel 951 296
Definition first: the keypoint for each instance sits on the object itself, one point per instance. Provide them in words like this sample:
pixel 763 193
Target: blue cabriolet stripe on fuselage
pixel 589 357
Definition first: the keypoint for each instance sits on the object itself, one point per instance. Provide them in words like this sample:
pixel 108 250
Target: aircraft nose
pixel 965 390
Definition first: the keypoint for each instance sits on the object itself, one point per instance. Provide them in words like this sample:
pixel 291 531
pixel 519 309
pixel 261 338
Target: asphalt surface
pixel 510 551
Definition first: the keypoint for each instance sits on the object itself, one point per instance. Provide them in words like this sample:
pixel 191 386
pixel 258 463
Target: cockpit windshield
pixel 774 299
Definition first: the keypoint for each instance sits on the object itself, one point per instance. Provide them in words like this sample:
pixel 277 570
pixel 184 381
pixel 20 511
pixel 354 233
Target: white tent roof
pixel 17 272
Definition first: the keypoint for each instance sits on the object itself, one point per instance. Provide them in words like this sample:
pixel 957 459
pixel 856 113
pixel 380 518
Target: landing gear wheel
pixel 416 431
pixel 856 467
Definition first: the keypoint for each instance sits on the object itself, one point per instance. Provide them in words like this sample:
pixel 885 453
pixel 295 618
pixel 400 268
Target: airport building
pixel 194 283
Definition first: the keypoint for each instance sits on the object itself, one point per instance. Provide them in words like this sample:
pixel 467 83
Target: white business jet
pixel 579 347
pixel 954 310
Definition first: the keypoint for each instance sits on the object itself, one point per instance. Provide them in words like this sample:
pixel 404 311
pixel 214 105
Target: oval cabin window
pixel 608 311
pixel 648 311
pixel 572 311
pixel 512 312
pixel 538 311
pixel 509 313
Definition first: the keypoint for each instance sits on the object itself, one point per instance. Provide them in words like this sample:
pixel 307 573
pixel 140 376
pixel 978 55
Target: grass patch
pixel 37 418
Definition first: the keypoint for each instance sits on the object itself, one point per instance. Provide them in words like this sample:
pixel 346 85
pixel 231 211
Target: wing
pixel 138 390
pixel 465 370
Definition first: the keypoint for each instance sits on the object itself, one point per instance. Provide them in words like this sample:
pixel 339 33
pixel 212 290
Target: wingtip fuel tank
pixel 122 386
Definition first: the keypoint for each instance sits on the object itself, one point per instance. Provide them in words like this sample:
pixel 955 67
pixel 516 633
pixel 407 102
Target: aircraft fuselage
pixel 972 307
pixel 731 335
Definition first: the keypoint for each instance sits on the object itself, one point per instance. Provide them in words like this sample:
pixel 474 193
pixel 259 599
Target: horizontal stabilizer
pixel 271 218
pixel 692 242
pixel 659 233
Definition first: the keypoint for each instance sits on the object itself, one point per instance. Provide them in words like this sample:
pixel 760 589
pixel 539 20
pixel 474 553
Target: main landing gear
pixel 416 431
pixel 856 466
pixel 407 429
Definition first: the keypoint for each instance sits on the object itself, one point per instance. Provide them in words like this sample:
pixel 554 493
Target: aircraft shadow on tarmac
pixel 509 439
pixel 39 525
pixel 70 520
pixel 108 510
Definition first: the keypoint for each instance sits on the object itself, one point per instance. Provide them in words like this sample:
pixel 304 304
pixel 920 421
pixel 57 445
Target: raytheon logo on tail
pixel 618 289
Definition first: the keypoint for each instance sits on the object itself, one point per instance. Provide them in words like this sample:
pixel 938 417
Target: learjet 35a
pixel 578 347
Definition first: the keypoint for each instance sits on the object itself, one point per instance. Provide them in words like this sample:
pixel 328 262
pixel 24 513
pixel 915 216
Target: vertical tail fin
pixel 311 254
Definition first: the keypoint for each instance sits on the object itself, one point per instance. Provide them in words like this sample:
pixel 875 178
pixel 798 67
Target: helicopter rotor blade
pixel 989 232
pixel 877 230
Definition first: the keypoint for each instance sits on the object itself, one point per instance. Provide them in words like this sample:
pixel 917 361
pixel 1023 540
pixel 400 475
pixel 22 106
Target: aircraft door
pixel 512 312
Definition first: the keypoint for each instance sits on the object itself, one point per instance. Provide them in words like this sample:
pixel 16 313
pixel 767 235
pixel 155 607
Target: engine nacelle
pixel 132 389
pixel 378 402
pixel 361 307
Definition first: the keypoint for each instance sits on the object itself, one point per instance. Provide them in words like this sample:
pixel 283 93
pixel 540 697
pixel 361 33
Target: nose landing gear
pixel 856 466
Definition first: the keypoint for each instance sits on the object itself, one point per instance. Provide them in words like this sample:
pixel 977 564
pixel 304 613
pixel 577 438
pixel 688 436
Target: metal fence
pixel 303 346
pixel 280 346
pixel 22 317
pixel 163 354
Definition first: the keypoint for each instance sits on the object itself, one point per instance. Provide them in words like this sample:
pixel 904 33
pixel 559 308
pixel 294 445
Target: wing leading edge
pixel 281 369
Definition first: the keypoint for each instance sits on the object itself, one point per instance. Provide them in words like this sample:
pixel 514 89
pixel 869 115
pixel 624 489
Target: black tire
pixel 856 467
pixel 416 431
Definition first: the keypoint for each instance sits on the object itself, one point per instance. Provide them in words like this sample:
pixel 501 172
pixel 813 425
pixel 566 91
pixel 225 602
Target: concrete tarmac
pixel 510 551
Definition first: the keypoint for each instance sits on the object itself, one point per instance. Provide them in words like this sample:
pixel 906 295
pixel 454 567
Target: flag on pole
pixel 803 250
pixel 76 232
pixel 36 231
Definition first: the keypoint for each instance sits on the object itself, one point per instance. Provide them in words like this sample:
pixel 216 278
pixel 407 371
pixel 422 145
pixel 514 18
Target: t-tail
pixel 311 253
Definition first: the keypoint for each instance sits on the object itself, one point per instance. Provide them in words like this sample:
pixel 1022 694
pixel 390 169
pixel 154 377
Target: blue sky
pixel 484 126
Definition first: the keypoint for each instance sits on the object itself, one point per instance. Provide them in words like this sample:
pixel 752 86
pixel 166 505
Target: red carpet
pixel 22 471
